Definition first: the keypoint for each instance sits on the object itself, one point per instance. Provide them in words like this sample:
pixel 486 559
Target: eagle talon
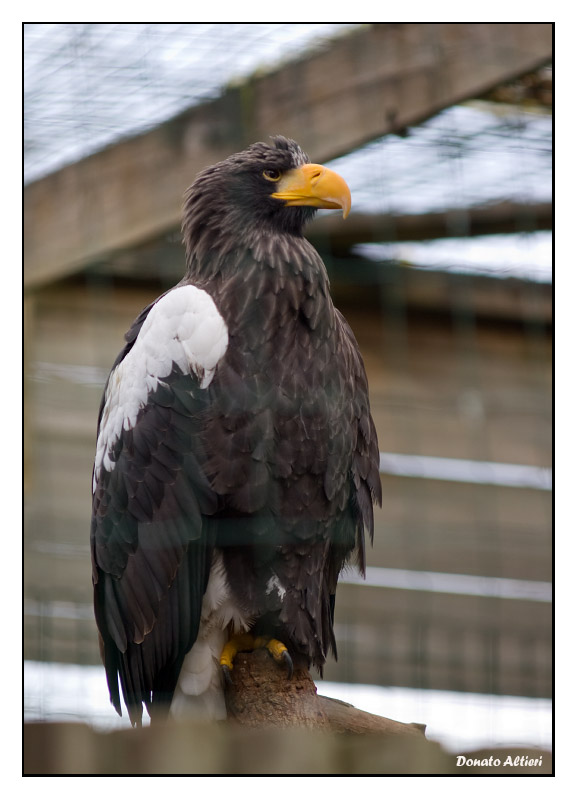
pixel 281 655
pixel 289 664
pixel 245 641
pixel 241 641
pixel 226 674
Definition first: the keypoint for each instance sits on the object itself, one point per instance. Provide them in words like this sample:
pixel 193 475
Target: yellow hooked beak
pixel 314 185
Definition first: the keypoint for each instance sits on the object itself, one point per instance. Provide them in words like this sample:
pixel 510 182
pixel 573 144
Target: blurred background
pixel 443 269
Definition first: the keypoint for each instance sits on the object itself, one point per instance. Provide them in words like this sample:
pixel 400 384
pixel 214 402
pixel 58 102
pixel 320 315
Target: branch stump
pixel 261 695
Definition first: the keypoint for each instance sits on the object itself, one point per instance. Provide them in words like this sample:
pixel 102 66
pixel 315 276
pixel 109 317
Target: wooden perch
pixel 262 695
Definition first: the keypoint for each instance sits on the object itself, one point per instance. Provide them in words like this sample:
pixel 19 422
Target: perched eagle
pixel 236 460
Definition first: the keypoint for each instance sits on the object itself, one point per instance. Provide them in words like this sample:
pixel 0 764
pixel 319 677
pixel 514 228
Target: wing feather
pixel 150 547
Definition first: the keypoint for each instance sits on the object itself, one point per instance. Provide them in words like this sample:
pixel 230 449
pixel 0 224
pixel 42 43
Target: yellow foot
pixel 247 642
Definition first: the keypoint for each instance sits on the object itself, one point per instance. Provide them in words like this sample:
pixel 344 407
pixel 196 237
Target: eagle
pixel 237 462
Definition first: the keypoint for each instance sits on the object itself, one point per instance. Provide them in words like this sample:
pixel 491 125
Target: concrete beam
pixel 505 217
pixel 375 81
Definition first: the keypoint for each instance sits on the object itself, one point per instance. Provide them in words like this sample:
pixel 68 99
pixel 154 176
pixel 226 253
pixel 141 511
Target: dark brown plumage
pixel 237 461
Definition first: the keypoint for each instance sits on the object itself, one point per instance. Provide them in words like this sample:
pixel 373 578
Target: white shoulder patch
pixel 184 328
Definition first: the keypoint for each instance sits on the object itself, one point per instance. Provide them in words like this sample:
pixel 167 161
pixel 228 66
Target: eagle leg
pixel 247 642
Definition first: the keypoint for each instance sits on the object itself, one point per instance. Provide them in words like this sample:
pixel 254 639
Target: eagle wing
pixel 365 461
pixel 151 549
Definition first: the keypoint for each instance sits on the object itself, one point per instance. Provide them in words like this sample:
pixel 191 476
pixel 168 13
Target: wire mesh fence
pixel 444 275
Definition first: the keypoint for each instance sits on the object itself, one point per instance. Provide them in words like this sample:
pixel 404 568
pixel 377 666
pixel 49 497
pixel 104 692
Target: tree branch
pixel 262 695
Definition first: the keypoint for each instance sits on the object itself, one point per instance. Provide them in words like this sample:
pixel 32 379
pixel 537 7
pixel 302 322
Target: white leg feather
pixel 199 691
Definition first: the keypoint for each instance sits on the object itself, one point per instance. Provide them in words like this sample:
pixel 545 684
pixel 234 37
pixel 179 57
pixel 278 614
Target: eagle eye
pixel 272 175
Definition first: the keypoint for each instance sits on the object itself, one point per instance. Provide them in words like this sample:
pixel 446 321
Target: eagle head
pixel 267 188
